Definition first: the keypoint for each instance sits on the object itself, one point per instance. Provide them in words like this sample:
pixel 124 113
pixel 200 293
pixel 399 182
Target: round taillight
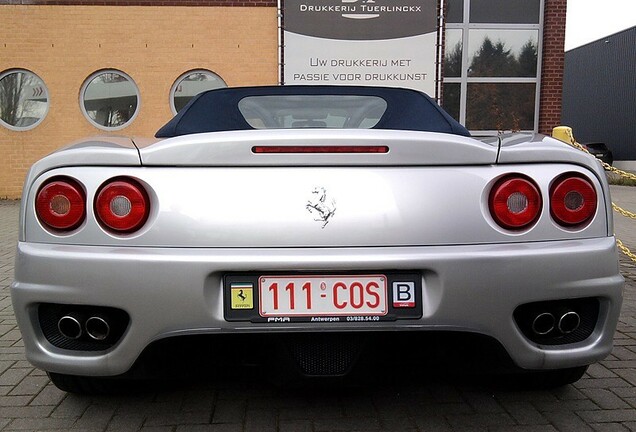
pixel 515 202
pixel 572 200
pixel 122 205
pixel 61 204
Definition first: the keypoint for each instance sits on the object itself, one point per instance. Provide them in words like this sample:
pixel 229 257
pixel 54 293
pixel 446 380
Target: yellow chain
pixel 606 166
pixel 624 249
pixel 623 212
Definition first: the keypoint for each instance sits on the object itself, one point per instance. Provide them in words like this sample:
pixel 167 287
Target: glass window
pixel 191 84
pixel 500 106
pixel 505 11
pixel 502 53
pixel 453 53
pixel 24 100
pixel 110 99
pixel 451 99
pixel 455 11
pixel 491 63
pixel 341 111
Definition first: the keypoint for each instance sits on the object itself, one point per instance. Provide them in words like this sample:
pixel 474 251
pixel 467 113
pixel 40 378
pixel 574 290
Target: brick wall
pixel 64 45
pixel 552 65
pixel 249 3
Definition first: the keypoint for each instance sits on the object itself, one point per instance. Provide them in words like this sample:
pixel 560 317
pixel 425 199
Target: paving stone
pixel 465 420
pixel 605 399
pixel 600 371
pixel 13 376
pixel 524 413
pixel 119 423
pixel 524 428
pixel 567 421
pixel 295 426
pixel 609 427
pixel 607 416
pixel 9 401
pixel 50 395
pixel 36 424
pixel 211 428
pixel 628 375
pixel 31 385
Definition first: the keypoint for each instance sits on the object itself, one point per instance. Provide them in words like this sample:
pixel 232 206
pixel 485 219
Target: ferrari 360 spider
pixel 323 226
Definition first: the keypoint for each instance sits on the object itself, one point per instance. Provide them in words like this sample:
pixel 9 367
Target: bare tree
pixel 10 94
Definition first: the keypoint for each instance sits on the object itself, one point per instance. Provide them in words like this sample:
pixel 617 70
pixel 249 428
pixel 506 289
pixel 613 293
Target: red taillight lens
pixel 515 202
pixel 572 200
pixel 61 204
pixel 122 205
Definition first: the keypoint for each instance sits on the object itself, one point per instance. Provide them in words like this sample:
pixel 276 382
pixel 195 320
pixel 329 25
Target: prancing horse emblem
pixel 321 208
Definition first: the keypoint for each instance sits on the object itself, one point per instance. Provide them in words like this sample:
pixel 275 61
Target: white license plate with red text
pixel 322 295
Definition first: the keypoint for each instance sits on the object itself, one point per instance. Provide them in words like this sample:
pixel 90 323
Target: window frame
pixel 6 125
pixel 82 93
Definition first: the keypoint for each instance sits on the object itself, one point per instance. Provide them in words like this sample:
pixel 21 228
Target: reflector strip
pixel 320 149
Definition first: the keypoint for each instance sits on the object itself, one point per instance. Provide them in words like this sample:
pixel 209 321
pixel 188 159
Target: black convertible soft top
pixel 218 110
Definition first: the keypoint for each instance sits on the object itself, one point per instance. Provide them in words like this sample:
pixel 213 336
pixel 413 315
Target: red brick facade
pixel 552 65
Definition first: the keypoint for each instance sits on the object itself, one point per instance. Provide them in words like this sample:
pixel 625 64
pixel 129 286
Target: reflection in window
pixel 24 100
pixel 454 11
pixel 505 11
pixel 502 53
pixel 491 63
pixel 110 99
pixel 451 100
pixel 191 84
pixel 453 53
pixel 500 106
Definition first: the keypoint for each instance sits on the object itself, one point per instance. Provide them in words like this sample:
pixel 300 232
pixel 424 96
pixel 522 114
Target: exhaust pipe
pixel 97 328
pixel 543 324
pixel 70 326
pixel 569 322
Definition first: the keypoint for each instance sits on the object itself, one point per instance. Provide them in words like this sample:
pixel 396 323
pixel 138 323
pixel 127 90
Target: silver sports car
pixel 312 229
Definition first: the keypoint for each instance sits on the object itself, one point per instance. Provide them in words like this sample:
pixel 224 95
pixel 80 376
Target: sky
pixel 590 20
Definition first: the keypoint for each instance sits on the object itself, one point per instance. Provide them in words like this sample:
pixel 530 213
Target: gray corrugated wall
pixel 599 93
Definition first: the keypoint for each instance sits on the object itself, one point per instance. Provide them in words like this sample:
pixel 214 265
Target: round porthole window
pixel 191 84
pixel 110 99
pixel 24 100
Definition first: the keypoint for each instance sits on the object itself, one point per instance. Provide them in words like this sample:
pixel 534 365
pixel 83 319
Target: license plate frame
pixel 240 286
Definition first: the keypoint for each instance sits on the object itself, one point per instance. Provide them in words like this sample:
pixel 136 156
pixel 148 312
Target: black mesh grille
pixel 325 354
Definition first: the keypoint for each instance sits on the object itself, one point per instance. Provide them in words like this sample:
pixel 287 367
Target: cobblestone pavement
pixel 603 400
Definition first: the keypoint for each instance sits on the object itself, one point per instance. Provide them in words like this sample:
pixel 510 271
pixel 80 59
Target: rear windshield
pixel 312 111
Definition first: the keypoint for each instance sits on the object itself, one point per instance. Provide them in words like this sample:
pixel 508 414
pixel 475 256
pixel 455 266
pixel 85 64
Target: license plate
pixel 318 295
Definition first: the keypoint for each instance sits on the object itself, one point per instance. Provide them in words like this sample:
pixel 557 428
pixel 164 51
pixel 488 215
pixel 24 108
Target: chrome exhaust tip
pixel 97 328
pixel 543 324
pixel 70 327
pixel 569 322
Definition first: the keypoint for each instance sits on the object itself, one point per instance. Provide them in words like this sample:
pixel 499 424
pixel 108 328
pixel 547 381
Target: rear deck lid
pixel 320 147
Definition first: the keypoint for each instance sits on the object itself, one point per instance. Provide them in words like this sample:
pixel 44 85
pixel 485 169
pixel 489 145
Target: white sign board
pixel 361 42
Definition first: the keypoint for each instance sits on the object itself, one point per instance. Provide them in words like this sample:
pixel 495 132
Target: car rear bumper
pixel 170 292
